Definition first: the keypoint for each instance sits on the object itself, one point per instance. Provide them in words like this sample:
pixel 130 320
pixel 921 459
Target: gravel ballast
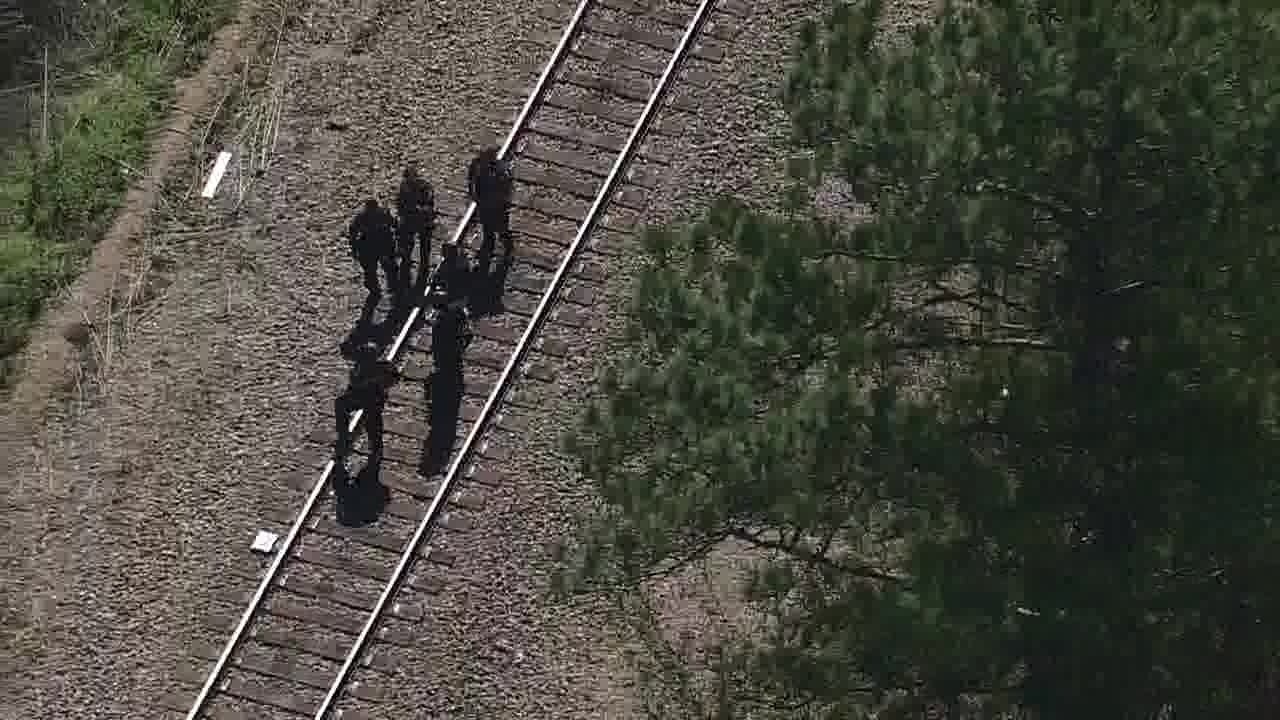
pixel 137 509
pixel 129 521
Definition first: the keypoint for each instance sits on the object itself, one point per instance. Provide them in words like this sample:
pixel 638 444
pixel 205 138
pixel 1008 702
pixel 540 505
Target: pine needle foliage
pixel 1009 446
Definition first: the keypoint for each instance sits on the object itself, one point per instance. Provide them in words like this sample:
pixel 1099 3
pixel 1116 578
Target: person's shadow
pixel 360 500
pixel 444 398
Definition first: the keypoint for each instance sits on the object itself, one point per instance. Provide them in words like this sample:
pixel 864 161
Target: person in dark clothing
pixel 450 335
pixel 416 206
pixel 366 390
pixel 372 236
pixel 361 499
pixel 454 281
pixel 365 329
pixel 489 183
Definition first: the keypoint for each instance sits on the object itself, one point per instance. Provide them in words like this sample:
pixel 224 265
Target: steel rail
pixel 522 348
pixel 295 530
pixel 531 104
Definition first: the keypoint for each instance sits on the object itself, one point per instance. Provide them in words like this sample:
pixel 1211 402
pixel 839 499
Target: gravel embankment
pixel 140 505
pixel 134 510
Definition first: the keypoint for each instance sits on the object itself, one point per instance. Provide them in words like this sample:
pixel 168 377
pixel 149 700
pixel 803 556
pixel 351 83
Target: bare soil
pixel 53 367
pixel 142 449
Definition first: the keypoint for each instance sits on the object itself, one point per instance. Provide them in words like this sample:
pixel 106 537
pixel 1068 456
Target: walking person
pixel 454 280
pixel 372 237
pixel 489 183
pixel 416 207
pixel 367 384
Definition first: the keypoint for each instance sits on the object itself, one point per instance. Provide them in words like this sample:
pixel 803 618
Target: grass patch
pixel 56 203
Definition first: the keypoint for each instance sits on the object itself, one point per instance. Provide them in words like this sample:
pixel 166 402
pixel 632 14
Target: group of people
pixel 379 240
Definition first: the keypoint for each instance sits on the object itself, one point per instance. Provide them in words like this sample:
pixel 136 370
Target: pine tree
pixel 1010 444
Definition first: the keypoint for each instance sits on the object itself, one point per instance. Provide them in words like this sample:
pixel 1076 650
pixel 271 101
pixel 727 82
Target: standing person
pixel 369 380
pixel 450 335
pixel 489 183
pixel 372 236
pixel 416 206
pixel 455 273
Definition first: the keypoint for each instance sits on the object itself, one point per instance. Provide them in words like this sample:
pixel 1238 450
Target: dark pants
pixel 424 246
pixel 404 256
pixel 495 223
pixel 370 267
pixel 343 407
pixel 454 281
pixel 414 230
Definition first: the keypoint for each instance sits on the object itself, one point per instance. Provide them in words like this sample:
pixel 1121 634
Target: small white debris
pixel 215 175
pixel 1025 611
pixel 264 542
pixel 1004 392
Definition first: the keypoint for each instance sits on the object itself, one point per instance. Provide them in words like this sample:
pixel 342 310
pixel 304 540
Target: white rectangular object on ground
pixel 264 542
pixel 215 176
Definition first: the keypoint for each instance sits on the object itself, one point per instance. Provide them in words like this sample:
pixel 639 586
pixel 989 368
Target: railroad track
pixel 332 596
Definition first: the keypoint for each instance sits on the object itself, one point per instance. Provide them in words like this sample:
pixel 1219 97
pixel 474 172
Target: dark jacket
pixel 372 234
pixel 416 198
pixel 450 335
pixel 455 277
pixel 369 381
pixel 489 180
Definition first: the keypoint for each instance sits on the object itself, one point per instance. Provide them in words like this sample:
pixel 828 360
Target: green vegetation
pixel 56 202
pixel 1010 445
